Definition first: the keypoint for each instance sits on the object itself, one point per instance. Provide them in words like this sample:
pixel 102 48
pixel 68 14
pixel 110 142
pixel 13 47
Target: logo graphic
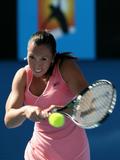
pixel 56 16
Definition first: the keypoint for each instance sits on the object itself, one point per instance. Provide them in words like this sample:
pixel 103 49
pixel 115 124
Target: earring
pixel 25 58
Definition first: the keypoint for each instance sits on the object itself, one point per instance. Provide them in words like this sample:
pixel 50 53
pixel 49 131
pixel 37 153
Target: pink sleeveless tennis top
pixel 47 142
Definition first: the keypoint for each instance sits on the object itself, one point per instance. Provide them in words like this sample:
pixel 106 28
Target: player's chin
pixel 38 74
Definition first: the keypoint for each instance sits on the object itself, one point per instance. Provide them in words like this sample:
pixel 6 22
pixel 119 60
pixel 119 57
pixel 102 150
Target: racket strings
pixel 94 105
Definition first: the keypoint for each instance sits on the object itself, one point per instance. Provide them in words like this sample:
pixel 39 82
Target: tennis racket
pixel 93 105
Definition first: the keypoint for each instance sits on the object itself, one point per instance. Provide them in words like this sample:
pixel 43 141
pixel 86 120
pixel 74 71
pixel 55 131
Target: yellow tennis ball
pixel 56 120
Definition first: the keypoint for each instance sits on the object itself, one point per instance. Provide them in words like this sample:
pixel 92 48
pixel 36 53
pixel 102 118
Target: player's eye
pixel 31 57
pixel 44 58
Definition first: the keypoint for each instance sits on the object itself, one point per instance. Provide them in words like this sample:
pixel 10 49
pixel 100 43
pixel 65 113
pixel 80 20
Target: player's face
pixel 39 59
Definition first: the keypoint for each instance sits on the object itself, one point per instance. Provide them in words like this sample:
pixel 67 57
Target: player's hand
pixel 34 113
pixel 53 108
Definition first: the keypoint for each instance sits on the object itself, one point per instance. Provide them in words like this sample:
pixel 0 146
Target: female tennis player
pixel 48 80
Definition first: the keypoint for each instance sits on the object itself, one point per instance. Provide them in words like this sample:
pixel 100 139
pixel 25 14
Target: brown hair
pixel 46 38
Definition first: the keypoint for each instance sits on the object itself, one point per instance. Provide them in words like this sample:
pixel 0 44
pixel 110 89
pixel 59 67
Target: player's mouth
pixel 38 70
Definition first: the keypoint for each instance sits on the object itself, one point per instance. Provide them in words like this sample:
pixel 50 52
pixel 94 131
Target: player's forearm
pixel 15 117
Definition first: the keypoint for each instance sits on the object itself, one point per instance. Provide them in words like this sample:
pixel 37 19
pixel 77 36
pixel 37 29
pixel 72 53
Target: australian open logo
pixel 57 16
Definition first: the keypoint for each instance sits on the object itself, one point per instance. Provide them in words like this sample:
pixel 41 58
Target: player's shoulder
pixel 20 74
pixel 70 70
pixel 69 64
pixel 21 71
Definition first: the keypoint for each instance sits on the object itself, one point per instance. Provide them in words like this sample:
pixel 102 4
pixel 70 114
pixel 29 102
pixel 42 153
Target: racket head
pixel 94 104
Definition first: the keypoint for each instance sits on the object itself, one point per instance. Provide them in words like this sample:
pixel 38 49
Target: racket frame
pixel 80 95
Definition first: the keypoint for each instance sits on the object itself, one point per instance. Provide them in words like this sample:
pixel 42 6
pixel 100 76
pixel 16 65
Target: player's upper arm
pixel 16 96
pixel 73 76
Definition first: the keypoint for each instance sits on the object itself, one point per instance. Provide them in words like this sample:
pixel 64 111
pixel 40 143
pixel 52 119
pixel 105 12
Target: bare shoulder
pixel 16 96
pixel 70 67
pixel 19 78
pixel 20 72
pixel 73 76
pixel 70 64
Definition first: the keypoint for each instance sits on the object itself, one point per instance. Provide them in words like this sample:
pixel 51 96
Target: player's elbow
pixel 7 122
